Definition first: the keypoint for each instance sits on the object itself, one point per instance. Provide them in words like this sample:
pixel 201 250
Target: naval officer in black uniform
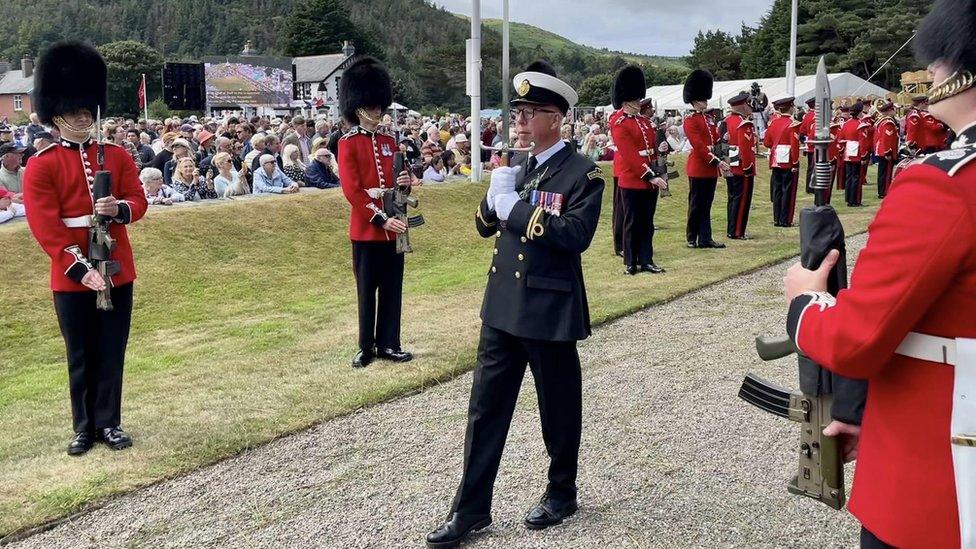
pixel 541 215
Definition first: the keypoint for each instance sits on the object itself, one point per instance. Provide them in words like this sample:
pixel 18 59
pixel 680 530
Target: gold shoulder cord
pixel 959 82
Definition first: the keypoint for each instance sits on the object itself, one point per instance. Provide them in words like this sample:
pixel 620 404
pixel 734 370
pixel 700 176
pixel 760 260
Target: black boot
pixel 115 438
pixel 362 358
pixel 396 355
pixel 549 512
pixel 451 533
pixel 81 444
pixel 630 269
pixel 651 268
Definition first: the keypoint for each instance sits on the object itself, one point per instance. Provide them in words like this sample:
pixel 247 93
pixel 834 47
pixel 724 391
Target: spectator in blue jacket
pixel 319 172
pixel 269 179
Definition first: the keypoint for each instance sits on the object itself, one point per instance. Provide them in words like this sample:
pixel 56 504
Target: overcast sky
pixel 653 27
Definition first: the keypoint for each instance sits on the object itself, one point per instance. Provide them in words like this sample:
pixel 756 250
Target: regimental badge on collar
pixel 524 88
pixel 550 202
pixel 386 150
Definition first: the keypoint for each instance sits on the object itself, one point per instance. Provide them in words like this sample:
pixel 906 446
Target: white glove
pixel 504 204
pixel 375 193
pixel 502 182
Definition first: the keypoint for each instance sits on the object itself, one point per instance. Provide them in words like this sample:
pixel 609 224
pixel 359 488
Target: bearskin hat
pixel 541 66
pixel 629 85
pixel 948 33
pixel 69 76
pixel 698 86
pixel 364 84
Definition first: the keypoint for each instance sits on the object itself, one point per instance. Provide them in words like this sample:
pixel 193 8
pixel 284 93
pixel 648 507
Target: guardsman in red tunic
pixel 617 217
pixel 936 133
pixel 365 169
pixel 857 152
pixel 914 129
pixel 70 89
pixel 808 132
pixel 703 166
pixel 742 164
pixel 636 140
pixel 906 324
pixel 782 140
pixel 886 146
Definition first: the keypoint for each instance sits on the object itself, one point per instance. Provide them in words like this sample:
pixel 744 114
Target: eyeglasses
pixel 528 113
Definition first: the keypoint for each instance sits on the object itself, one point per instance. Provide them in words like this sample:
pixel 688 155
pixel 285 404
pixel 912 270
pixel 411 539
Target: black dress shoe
pixel 692 245
pixel 451 533
pixel 362 358
pixel 549 512
pixel 115 438
pixel 712 244
pixel 618 254
pixel 81 444
pixel 394 355
pixel 651 268
pixel 630 269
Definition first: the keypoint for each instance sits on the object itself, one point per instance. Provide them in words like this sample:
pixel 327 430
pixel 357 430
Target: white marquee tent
pixel 841 84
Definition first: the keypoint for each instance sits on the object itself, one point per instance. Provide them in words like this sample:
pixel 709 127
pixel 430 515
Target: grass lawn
pixel 245 322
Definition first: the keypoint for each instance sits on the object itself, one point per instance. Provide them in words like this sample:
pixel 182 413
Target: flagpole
pixel 145 98
pixel 791 65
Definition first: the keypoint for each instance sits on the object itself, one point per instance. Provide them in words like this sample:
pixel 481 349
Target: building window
pixel 18 103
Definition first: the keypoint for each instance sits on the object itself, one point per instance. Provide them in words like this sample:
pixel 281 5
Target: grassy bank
pixel 245 321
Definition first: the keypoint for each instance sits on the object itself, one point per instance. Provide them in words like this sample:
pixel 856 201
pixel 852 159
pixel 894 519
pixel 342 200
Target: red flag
pixel 142 93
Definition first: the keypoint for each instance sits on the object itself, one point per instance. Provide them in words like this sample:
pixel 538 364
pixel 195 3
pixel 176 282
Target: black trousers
pixel 617 219
pixel 740 202
pixel 886 168
pixel 811 162
pixel 701 194
pixel 497 379
pixel 95 342
pixel 784 184
pixel 870 541
pixel 638 220
pixel 853 180
pixel 379 285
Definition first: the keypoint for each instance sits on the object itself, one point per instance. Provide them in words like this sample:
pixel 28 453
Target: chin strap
pixel 959 82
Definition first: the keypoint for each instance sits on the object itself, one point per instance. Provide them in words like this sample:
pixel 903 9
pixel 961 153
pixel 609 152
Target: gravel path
pixel 670 456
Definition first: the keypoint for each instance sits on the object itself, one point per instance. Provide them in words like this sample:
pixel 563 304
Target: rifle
pixel 100 242
pixel 663 167
pixel 395 203
pixel 820 472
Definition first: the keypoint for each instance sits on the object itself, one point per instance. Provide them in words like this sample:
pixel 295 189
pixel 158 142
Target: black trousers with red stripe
pixel 784 183
pixel 740 202
pixel 886 167
pixel 639 206
pixel 853 181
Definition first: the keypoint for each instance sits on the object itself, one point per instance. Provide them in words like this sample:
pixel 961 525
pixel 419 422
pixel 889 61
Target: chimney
pixel 27 66
pixel 348 49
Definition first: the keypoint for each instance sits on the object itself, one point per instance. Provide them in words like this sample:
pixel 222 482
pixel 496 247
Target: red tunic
pixel 936 133
pixel 852 130
pixel 636 141
pixel 916 274
pixel 808 128
pixel 782 131
pixel 886 138
pixel 914 134
pixel 742 135
pixel 56 189
pixel 702 134
pixel 366 162
pixel 610 120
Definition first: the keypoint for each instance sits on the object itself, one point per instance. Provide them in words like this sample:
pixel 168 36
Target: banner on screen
pixel 248 81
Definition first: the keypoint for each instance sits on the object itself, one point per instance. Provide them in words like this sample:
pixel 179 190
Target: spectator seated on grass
pixel 11 170
pixel 293 167
pixel 269 179
pixel 320 172
pixel 8 208
pixel 181 149
pixel 436 172
pixel 187 181
pixel 157 192
pixel 228 181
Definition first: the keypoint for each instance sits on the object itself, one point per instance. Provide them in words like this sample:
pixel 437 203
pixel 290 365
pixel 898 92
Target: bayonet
pixel 821 143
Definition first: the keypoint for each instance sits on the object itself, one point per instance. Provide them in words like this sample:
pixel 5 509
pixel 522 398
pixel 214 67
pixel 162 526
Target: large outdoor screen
pixel 248 81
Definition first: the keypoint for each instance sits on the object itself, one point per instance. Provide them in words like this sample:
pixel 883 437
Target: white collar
pixel 545 155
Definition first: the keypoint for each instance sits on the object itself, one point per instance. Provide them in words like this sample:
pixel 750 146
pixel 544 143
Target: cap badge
pixel 524 88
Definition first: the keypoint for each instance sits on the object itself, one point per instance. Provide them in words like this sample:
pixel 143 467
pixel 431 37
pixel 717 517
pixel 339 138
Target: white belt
pixel 928 347
pixel 83 221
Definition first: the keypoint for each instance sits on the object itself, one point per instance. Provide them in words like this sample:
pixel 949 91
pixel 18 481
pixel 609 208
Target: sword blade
pixel 506 75
pixel 824 108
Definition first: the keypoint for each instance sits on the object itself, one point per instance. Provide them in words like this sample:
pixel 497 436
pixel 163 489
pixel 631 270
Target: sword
pixel 504 149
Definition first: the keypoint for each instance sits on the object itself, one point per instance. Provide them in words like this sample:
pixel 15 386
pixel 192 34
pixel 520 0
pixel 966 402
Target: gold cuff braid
pixel 535 227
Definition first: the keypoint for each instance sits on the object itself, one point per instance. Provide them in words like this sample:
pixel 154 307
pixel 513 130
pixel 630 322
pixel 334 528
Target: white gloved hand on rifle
pixel 502 182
